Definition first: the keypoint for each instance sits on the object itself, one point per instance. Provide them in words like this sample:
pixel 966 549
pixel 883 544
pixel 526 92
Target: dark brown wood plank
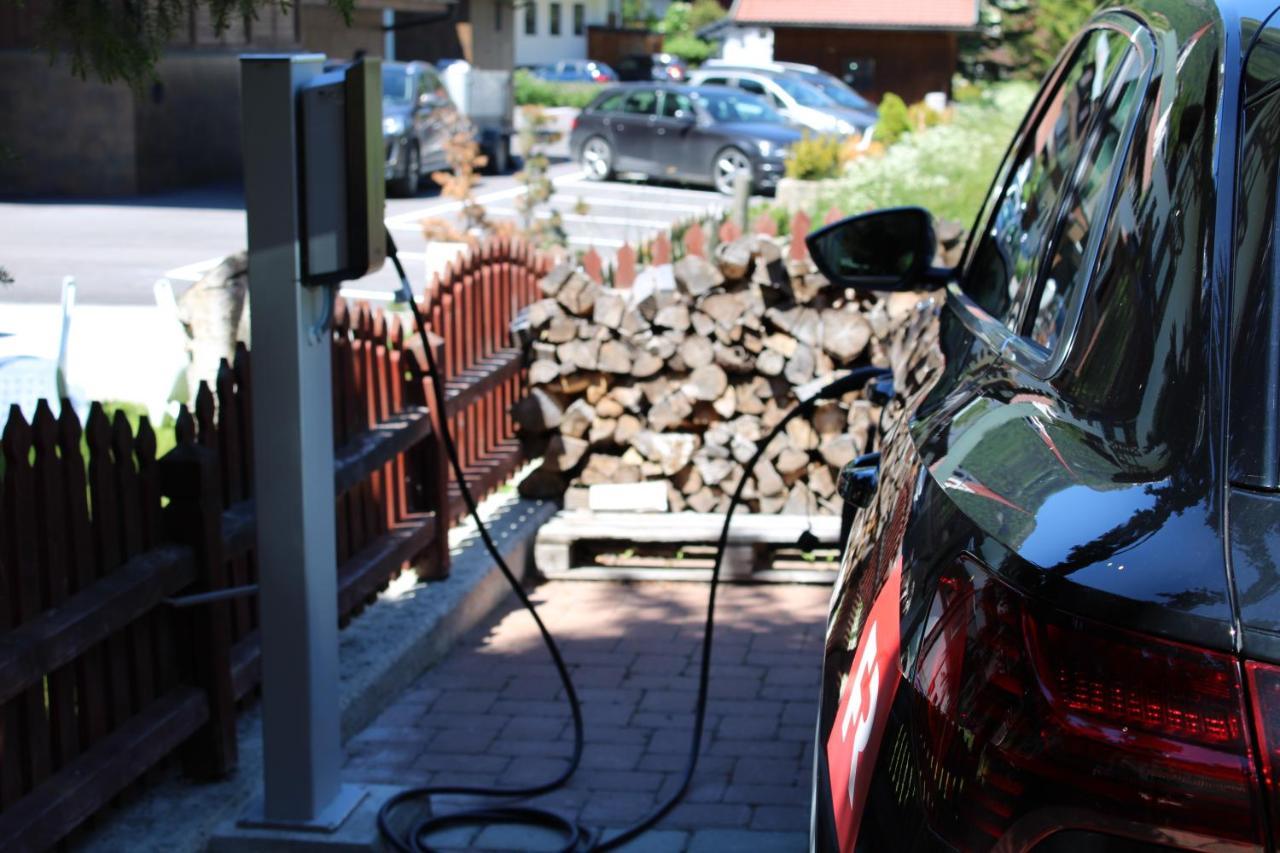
pixel 57 637
pixel 52 538
pixel 368 451
pixel 106 541
pixel 25 595
pixel 51 812
pixel 369 569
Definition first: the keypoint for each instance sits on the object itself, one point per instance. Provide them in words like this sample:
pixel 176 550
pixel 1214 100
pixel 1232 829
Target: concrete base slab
pixel 358 833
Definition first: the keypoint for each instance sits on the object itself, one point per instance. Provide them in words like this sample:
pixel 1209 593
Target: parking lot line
pixel 594 218
pixel 410 221
pixel 613 201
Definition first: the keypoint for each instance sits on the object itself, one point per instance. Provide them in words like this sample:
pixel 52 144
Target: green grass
pixel 533 91
pixel 947 168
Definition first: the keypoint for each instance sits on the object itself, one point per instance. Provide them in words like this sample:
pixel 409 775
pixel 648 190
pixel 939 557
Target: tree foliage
pixel 1019 39
pixel 680 25
pixel 123 41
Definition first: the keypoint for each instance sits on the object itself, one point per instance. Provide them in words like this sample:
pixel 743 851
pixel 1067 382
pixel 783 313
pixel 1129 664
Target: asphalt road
pixel 117 249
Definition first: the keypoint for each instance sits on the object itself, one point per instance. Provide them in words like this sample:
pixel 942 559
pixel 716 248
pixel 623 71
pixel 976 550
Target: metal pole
pixel 293 479
pixel 739 209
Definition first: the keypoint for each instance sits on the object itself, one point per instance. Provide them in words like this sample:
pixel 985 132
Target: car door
pixel 984 457
pixel 676 148
pixel 632 130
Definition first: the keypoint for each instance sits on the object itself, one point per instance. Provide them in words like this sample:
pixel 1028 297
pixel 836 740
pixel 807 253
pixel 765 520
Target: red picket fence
pixel 109 667
pixel 698 236
pixel 472 307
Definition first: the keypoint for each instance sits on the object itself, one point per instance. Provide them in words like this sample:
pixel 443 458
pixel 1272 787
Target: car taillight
pixel 573 124
pixel 1264 689
pixel 1035 721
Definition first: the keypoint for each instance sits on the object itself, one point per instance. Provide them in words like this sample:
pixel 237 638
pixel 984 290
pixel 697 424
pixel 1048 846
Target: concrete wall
pixel 60 134
pixel 188 126
pixel 543 46
pixel 324 30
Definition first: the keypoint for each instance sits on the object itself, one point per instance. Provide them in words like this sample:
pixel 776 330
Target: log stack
pixel 679 377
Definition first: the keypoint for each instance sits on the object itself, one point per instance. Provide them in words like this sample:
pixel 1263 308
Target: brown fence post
pixel 189 477
pixel 435 475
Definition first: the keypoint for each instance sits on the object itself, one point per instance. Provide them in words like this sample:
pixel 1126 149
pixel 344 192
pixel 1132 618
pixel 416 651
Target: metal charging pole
pixel 293 477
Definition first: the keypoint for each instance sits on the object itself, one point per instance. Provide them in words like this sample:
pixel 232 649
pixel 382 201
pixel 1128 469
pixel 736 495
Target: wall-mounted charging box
pixel 343 190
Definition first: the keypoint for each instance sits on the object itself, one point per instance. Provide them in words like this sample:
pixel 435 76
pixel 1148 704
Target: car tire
pixel 725 166
pixel 596 157
pixel 406 185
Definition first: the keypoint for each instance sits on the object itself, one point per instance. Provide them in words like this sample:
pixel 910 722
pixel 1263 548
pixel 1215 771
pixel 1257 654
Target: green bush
pixel 814 158
pixel 689 47
pixel 532 91
pixel 895 121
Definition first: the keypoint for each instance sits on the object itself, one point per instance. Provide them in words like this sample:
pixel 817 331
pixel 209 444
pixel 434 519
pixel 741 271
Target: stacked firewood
pixel 680 377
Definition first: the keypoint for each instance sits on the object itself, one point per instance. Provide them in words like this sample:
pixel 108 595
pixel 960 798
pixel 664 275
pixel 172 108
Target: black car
pixel 661 67
pixel 706 134
pixel 1057 625
pixel 416 111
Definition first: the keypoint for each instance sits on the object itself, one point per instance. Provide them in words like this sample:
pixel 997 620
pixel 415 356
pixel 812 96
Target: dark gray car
pixel 704 134
pixel 416 111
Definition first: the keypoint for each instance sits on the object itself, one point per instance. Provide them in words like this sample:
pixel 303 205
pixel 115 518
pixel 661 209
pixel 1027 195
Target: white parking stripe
pixel 588 217
pixel 608 201
pixel 599 242
pixel 413 217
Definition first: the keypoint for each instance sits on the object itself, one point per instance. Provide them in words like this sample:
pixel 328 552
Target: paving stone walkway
pixel 493 712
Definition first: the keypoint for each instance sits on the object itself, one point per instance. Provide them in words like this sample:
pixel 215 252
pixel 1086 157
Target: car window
pixel 612 103
pixel 729 107
pixel 676 105
pixel 397 87
pixel 1003 267
pixel 715 81
pixel 644 102
pixel 1255 301
pixel 1066 271
pixel 755 87
pixel 805 95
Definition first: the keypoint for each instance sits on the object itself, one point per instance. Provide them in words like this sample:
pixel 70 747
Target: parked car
pixel 415 114
pixel 802 104
pixel 577 71
pixel 706 134
pixel 1057 627
pixel 829 84
pixel 661 67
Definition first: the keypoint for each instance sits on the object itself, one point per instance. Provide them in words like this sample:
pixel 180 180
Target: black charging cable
pixel 577 838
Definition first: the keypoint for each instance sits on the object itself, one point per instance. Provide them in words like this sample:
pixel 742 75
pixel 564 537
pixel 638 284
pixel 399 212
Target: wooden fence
pixel 109 667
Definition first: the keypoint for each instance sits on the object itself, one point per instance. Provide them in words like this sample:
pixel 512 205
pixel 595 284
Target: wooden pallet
pixel 581 544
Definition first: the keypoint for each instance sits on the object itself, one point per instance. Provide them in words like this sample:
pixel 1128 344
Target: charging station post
pixel 293 459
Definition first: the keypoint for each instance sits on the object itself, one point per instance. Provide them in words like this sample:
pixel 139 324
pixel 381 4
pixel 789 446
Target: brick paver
pixel 493 713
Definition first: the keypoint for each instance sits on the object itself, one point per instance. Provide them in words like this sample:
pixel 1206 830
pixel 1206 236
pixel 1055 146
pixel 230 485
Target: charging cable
pixel 577 838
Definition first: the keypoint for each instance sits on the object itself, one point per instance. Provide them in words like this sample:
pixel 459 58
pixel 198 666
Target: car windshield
pixel 397 87
pixel 729 107
pixel 805 95
pixel 839 92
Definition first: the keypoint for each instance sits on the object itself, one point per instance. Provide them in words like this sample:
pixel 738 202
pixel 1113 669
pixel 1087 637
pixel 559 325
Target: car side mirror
pixel 890 249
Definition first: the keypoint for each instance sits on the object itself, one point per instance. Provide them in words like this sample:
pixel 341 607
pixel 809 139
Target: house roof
pixel 858 14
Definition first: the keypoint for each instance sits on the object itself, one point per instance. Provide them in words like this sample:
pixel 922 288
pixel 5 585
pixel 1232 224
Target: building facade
pixel 909 47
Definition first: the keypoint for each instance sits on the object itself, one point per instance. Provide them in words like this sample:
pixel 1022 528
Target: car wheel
pixel 725 168
pixel 597 158
pixel 406 185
